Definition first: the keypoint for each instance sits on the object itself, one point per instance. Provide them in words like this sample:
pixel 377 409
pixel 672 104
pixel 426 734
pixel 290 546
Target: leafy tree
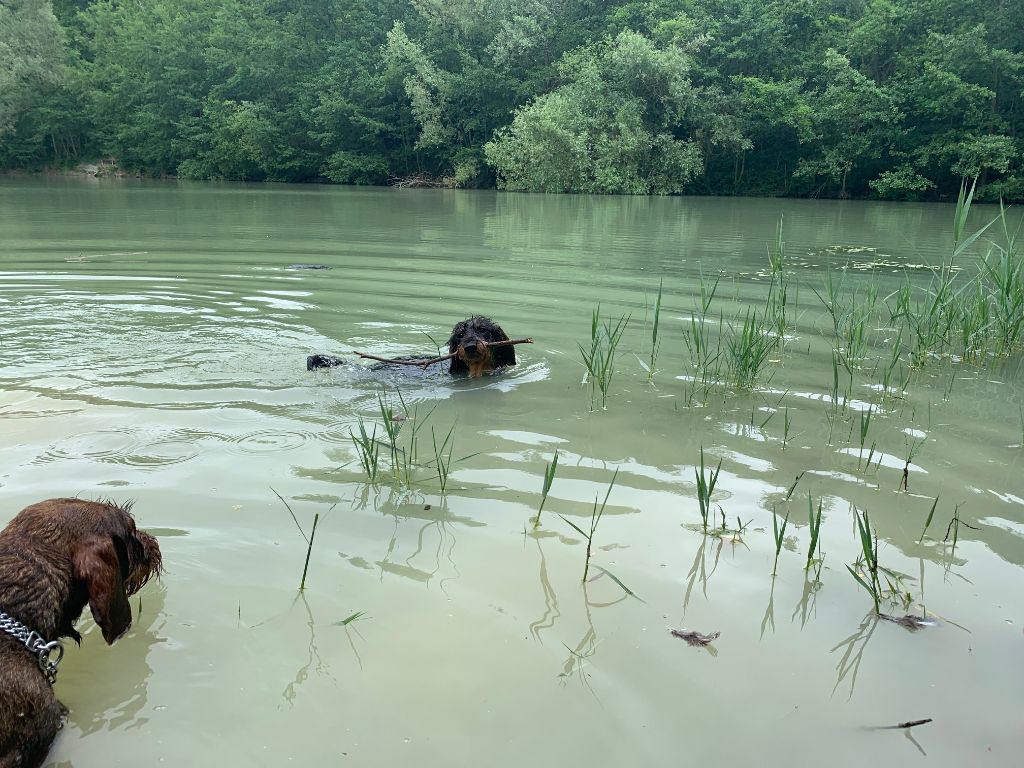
pixel 890 98
pixel 621 123
pixel 853 122
pixel 37 87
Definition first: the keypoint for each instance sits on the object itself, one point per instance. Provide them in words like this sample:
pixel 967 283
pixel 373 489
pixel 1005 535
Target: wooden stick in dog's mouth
pixel 426 362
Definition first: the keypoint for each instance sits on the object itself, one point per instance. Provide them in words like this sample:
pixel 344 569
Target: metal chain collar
pixel 48 654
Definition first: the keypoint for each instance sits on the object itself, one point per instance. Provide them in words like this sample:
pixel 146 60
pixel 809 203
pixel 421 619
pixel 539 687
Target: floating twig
pixel 696 639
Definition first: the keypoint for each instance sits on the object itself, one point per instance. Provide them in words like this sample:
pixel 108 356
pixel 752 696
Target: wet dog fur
pixel 55 557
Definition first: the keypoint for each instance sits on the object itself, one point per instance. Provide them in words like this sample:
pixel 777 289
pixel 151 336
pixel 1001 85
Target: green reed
pixel 392 429
pixel 953 310
pixel 865 571
pixel 749 349
pixel 309 539
pixel 789 493
pixel 815 529
pixel 595 519
pixel 410 456
pixel 367 449
pixel 442 460
pixel 780 536
pixel 705 487
pixel 856 336
pixel 655 341
pixel 351 618
pixel 889 383
pixel 954 528
pixel 778 288
pixel 599 358
pixel 928 520
pixel 865 426
pixel 309 551
pixel 549 478
pixel 1003 269
pixel 705 358
pixel 830 300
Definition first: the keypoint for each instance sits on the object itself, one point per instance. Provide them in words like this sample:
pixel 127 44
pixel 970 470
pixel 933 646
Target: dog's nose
pixel 470 346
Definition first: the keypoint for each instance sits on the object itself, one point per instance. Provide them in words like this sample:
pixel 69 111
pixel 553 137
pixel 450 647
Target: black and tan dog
pixel 471 348
pixel 56 557
pixel 471 342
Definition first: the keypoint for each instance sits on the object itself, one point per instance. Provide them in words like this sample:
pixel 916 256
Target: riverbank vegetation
pixel 893 99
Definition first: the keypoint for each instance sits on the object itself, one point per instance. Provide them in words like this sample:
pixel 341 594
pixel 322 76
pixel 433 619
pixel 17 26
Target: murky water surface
pixel 152 347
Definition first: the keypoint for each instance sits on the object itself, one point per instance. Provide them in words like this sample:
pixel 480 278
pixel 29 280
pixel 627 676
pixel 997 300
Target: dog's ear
pixel 504 355
pixel 457 333
pixel 102 567
pixel 456 366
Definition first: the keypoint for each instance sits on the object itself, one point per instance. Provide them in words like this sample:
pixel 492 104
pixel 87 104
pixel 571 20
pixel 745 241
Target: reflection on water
pixel 153 339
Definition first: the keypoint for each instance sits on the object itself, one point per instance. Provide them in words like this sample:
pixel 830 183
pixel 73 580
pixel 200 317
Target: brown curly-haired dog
pixel 56 556
pixel 471 341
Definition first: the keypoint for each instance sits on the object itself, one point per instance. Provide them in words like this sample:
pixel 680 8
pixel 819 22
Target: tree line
pixel 892 99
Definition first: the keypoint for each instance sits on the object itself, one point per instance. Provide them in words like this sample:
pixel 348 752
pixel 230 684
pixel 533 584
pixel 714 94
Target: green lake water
pixel 152 347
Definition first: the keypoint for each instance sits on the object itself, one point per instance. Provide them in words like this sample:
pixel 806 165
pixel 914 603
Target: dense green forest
pixel 894 99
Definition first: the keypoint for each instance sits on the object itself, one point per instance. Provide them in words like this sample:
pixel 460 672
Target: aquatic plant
pixel 705 487
pixel 928 520
pixel 814 525
pixel 705 359
pixel 392 426
pixel 1003 268
pixel 443 461
pixel 888 384
pixel 549 478
pixel 410 455
pixel 932 319
pixel 830 299
pixel 309 551
pixel 954 527
pixel 865 426
pixel 655 341
pixel 778 287
pixel 789 493
pixel 749 349
pixel 785 429
pixel 595 519
pixel 780 536
pixel 865 570
pixel 599 358
pixel 309 539
pixel 618 581
pixel 367 449
pixel 357 616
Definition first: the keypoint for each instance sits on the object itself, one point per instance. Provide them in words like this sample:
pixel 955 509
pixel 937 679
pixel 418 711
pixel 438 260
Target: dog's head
pixel 471 343
pixel 315 362
pixel 110 558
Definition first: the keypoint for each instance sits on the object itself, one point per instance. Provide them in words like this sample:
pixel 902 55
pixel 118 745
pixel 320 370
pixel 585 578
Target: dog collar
pixel 48 654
